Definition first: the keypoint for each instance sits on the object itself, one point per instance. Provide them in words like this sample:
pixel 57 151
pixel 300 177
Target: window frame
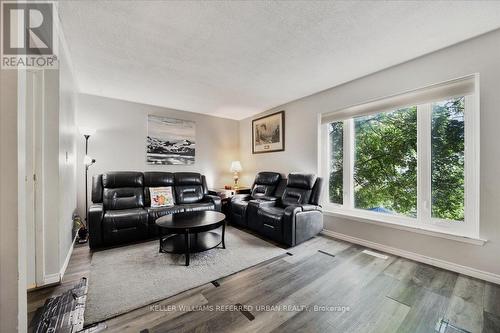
pixel 469 228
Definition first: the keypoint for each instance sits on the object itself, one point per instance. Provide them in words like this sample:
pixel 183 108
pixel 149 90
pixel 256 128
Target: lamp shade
pixel 87 130
pixel 235 166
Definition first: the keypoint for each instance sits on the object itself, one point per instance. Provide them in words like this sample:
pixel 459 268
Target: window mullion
pixel 325 161
pixel 424 155
pixel 472 163
pixel 348 177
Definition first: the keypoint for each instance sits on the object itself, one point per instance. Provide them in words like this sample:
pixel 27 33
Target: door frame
pixel 34 139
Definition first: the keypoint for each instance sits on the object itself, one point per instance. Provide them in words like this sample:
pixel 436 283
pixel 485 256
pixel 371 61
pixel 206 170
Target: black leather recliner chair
pixel 264 187
pixel 121 211
pixel 295 217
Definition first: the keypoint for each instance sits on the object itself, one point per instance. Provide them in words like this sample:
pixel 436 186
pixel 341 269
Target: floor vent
pixel 375 254
pixel 246 313
pixel 444 326
pixel 328 254
pixel 216 284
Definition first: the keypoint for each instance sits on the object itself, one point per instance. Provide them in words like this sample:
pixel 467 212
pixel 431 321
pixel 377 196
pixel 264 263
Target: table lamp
pixel 235 169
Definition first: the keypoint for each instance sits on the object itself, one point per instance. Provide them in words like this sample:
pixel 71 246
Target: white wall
pixel 67 154
pixel 57 179
pixel 59 161
pixel 12 233
pixel 50 175
pixel 481 55
pixel 120 141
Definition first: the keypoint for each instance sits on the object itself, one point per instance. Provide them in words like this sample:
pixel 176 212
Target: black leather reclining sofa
pixel 121 210
pixel 264 187
pixel 284 210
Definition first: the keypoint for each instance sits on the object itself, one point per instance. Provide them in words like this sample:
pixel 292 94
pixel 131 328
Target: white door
pixel 33 158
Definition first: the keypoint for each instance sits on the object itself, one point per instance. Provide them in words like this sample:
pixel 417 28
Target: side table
pixel 226 196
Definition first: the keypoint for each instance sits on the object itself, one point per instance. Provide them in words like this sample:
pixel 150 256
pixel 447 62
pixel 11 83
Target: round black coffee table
pixel 190 232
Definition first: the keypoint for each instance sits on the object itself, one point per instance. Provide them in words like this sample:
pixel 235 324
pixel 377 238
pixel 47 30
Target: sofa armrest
pixel 215 199
pixel 301 222
pixel 262 203
pixel 306 208
pixel 290 211
pixel 94 224
pixel 241 197
pixel 253 208
pixel 266 198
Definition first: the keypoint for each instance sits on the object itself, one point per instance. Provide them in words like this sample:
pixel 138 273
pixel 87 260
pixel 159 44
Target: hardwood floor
pixel 325 285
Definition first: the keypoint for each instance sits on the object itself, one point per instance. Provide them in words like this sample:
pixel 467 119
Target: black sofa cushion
pixel 158 179
pixel 123 198
pixel 122 179
pixel 274 213
pixel 271 222
pixel 187 178
pixel 239 207
pixel 97 188
pixel 188 187
pixel 301 180
pixel 125 218
pixel 197 207
pixel 119 226
pixel 298 189
pixel 157 212
pixel 267 178
pixel 188 194
pixel 265 184
pixel 122 190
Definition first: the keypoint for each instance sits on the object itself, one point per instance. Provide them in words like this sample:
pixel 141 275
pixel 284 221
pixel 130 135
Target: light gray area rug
pixel 126 278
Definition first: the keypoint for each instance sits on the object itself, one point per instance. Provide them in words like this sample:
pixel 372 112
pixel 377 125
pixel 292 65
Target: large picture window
pixel 336 186
pixel 385 164
pixel 408 164
pixel 447 139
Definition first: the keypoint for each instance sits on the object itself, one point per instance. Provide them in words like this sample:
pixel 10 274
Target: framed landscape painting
pixel 170 141
pixel 268 133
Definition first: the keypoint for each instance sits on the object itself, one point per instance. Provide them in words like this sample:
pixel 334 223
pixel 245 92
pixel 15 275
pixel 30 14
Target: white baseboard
pixel 57 277
pixel 68 257
pixel 476 273
pixel 31 287
pixel 51 279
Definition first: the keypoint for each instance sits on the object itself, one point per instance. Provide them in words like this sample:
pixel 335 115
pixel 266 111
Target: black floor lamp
pixel 88 161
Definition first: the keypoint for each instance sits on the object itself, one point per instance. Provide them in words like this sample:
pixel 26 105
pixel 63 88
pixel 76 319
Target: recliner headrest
pixel 118 179
pixel 187 178
pixel 158 179
pixel 301 180
pixel 267 178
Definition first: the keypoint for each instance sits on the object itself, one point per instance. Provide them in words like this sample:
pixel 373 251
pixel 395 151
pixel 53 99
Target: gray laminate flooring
pixel 326 285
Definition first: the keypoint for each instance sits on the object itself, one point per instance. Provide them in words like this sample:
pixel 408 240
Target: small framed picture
pixel 268 133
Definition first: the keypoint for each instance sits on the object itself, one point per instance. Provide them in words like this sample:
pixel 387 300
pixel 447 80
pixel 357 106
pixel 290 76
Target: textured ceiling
pixel 235 59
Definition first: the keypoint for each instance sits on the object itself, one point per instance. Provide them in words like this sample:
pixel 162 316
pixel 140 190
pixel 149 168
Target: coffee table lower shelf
pixel 200 242
pixel 191 232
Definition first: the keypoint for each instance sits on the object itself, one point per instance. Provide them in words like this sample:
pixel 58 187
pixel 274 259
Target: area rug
pixel 126 278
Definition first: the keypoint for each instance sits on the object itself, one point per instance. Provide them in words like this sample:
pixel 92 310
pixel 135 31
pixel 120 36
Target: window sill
pixel 360 217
